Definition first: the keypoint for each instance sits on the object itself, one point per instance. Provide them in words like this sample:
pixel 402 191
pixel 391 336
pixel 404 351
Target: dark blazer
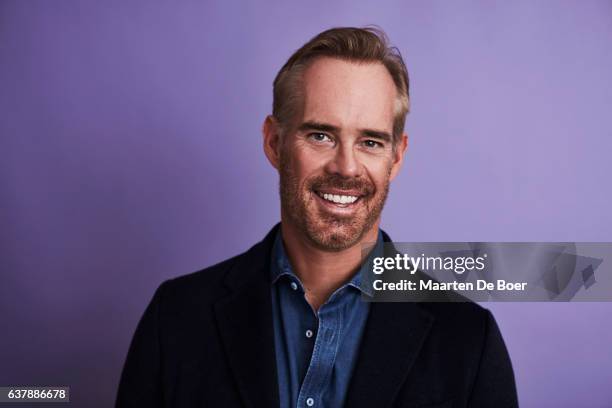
pixel 206 340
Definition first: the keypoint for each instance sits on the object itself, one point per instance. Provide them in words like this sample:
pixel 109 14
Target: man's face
pixel 337 159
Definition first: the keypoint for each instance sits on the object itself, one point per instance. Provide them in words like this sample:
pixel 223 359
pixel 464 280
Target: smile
pixel 343 199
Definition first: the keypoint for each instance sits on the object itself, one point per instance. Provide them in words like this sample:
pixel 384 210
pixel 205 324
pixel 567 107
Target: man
pixel 284 324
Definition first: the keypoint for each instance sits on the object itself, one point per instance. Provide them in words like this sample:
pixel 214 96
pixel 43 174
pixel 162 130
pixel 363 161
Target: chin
pixel 335 237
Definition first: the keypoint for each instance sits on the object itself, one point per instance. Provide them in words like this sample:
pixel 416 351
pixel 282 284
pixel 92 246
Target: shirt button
pixel 310 402
pixel 309 335
pixel 293 285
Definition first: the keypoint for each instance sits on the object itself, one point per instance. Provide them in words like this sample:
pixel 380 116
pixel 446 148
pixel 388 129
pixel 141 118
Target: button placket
pixel 322 362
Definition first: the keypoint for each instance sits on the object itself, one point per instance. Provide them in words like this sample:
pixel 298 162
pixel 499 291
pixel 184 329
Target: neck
pixel 322 272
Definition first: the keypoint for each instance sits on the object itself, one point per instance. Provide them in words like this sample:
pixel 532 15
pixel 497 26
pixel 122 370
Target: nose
pixel 344 162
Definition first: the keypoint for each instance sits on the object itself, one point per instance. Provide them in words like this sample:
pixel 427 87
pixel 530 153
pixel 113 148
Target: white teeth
pixel 340 199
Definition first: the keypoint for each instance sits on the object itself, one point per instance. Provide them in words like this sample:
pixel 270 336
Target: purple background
pixel 130 152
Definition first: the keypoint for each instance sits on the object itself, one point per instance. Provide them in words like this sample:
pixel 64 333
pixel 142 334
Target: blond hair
pixel 369 44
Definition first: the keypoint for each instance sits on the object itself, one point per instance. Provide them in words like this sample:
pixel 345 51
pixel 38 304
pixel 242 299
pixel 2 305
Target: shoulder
pixel 458 314
pixel 462 328
pixel 215 281
pixel 454 313
pixel 207 280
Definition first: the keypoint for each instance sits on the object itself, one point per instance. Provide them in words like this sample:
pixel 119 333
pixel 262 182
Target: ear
pixel 271 140
pixel 398 155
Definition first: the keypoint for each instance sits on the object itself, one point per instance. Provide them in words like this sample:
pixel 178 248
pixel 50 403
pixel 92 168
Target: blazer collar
pixel 391 342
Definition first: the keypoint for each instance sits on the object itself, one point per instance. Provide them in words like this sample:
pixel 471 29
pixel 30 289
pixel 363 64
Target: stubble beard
pixel 326 231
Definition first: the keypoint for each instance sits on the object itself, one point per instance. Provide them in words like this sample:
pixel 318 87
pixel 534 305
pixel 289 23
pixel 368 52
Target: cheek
pixel 307 163
pixel 379 170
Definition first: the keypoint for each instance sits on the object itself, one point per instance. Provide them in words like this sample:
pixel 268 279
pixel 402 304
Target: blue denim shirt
pixel 315 351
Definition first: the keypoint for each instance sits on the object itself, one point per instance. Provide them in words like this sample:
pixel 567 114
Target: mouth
pixel 339 198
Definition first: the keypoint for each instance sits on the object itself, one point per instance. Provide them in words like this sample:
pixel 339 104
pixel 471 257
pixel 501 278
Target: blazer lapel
pixel 391 342
pixel 245 324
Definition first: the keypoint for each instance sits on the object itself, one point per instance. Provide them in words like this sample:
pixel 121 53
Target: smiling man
pixel 285 324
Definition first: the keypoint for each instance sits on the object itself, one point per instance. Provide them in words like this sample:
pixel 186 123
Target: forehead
pixel 349 94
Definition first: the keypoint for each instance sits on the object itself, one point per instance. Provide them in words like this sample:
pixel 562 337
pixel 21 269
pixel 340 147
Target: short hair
pixel 368 44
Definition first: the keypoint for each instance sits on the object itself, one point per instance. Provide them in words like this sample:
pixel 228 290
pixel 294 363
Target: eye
pixel 372 144
pixel 319 137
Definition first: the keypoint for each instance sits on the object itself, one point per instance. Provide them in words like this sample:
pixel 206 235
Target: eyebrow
pixel 325 127
pixel 321 127
pixel 377 134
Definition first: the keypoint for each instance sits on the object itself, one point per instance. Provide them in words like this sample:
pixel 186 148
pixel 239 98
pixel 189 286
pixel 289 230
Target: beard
pixel 325 230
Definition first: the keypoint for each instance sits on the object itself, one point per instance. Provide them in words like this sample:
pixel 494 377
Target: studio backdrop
pixel 131 152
